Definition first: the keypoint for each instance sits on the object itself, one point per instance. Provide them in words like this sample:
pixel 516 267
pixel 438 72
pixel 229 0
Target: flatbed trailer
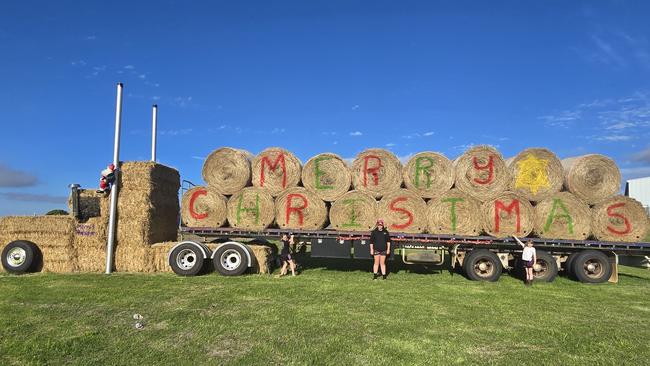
pixel 481 258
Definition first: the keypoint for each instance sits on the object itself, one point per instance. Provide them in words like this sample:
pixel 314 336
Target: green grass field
pixel 327 315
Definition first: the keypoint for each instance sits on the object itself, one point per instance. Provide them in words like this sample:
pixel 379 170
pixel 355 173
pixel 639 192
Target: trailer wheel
pixel 545 270
pixel 20 256
pixel 568 264
pixel 230 260
pixel 592 266
pixel 186 260
pixel 482 265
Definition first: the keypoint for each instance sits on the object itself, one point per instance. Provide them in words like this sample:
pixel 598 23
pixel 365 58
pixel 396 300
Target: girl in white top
pixel 529 257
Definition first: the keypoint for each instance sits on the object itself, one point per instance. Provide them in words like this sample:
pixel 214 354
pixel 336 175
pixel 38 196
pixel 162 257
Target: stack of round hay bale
pixel 480 192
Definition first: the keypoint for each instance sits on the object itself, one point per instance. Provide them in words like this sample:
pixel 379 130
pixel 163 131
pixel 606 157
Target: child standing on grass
pixel 285 255
pixel 379 249
pixel 529 257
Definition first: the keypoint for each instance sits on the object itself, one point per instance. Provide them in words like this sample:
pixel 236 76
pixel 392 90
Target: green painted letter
pixel 453 201
pixel 424 169
pixel 255 210
pixel 552 216
pixel 319 173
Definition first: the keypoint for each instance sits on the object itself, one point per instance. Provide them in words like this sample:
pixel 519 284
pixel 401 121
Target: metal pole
pixel 154 123
pixel 116 161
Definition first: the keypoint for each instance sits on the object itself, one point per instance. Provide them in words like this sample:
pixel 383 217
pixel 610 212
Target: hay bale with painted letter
pixel 300 208
pixel 251 208
pixel 592 178
pixel 327 175
pixel 428 173
pixel 454 213
pixel 403 211
pixel 619 218
pixel 563 216
pixel 506 215
pixel 354 211
pixel 227 170
pixel 276 169
pixel 482 173
pixel 203 207
pixel 376 171
pixel 537 174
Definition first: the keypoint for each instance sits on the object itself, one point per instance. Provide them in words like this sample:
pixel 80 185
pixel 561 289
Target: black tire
pixel 230 260
pixel 547 267
pixel 592 266
pixel 568 265
pixel 187 260
pixel 482 265
pixel 21 256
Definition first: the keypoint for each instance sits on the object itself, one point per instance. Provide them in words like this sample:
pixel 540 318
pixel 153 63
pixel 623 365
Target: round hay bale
pixel 506 215
pixel 403 211
pixel 327 175
pixel 454 213
pixel 354 211
pixel 227 170
pixel 251 208
pixel 300 208
pixel 592 178
pixel 376 171
pixel 203 207
pixel 537 174
pixel 619 218
pixel 482 173
pixel 562 216
pixel 276 169
pixel 428 173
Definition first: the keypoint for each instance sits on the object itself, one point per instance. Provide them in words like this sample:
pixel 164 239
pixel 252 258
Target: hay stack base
pixel 251 208
pixel 376 171
pixel 276 169
pixel 227 170
pixel 592 178
pixel 455 213
pixel 327 175
pixel 354 211
pixel 482 173
pixel 619 218
pixel 203 207
pixel 562 216
pixel 537 174
pixel 403 211
pixel 506 215
pixel 429 174
pixel 300 208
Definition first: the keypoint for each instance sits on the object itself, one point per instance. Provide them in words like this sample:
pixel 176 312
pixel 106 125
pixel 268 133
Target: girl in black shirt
pixel 285 255
pixel 379 248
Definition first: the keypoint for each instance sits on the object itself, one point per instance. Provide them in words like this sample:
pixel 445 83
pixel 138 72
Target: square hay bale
pixel 144 232
pixel 91 204
pixel 90 244
pixel 133 259
pixel 159 256
pixel 148 176
pixel 54 236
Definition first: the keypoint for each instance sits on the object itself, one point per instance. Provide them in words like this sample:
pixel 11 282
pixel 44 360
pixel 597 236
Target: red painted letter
pixel 297 210
pixel 195 195
pixel 489 167
pixel 409 221
pixel 273 166
pixel 372 170
pixel 498 206
pixel 628 226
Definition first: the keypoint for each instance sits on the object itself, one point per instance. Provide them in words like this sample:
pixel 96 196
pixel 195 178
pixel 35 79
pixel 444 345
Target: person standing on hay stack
pixel 107 179
pixel 529 258
pixel 379 249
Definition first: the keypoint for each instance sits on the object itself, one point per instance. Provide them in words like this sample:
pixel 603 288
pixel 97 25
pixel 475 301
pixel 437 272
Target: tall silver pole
pixel 154 123
pixel 116 161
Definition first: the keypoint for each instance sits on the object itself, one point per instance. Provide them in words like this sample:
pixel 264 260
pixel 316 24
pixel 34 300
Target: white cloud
pixel 390 144
pixel 620 126
pixel 78 63
pixel 405 158
pixel 142 76
pixel 563 119
pixel 184 131
pixel 355 107
pixel 636 172
pixel 90 38
pixel 356 133
pixel 202 158
pixel 607 52
pixel 430 133
pixel 614 138
pixel 129 67
pixel 642 156
pixel 30 197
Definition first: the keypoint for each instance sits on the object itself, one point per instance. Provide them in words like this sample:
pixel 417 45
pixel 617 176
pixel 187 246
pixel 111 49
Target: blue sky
pixel 337 76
